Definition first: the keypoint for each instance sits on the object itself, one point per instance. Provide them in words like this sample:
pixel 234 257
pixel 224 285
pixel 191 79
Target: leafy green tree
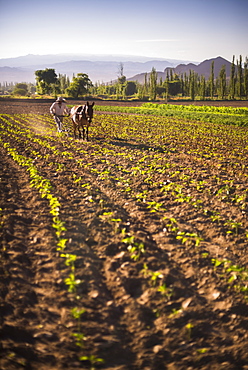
pixel 142 91
pixel 131 88
pixel 79 86
pixel 182 85
pixel 192 80
pixel 46 80
pixel 63 82
pixel 202 90
pixel 232 81
pixel 246 78
pixel 161 91
pixel 21 89
pixel 211 81
pixel 153 84
pixel 222 83
pixel 240 77
pixel 174 87
pixel 146 85
pixel 186 84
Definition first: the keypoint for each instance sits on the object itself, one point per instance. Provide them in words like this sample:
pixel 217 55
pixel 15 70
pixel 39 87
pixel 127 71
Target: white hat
pixel 60 99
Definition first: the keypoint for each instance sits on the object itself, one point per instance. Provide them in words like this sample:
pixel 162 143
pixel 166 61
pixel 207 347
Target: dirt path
pixel 162 304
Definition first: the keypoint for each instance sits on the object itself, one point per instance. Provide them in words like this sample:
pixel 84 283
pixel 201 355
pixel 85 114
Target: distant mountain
pixel 104 71
pixel 34 60
pixel 100 68
pixel 203 68
pixel 11 74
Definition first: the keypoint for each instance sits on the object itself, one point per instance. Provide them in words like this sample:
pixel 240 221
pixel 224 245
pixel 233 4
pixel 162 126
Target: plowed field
pixel 126 252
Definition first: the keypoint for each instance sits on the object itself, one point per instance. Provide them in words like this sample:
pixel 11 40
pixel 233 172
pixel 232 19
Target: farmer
pixel 58 109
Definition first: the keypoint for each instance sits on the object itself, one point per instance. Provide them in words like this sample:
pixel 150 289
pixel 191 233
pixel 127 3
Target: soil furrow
pixel 147 293
pixel 30 315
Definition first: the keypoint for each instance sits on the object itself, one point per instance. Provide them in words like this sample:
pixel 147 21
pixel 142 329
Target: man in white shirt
pixel 58 109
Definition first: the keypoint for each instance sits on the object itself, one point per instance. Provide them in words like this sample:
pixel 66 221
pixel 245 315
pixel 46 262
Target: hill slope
pixel 204 68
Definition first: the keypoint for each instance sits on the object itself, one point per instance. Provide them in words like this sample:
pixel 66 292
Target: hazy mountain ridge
pixel 203 68
pixel 103 68
pixel 100 68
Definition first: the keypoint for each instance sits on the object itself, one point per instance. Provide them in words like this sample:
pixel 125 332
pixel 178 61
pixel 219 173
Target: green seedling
pixel 86 186
pixel 189 238
pixel 216 217
pixel 76 179
pixel 60 166
pixel 93 360
pixel 135 248
pixel 72 283
pixel 216 262
pixel 116 222
pixel 202 350
pixel 145 271
pixel 237 273
pixel 155 276
pixel 69 260
pixel 80 339
pixel 141 197
pixel 101 203
pixel 205 255
pixel 165 291
pixel 59 226
pixel 155 206
pixel 106 216
pixel 189 328
pixel 180 197
pixel 61 245
pixel 1 215
pixel 172 225
pixel 77 314
pixel 233 225
pixel 54 204
pixel 175 312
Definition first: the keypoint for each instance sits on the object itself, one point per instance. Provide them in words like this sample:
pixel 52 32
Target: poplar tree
pixel 222 82
pixel 203 87
pixel 166 85
pixel 186 84
pixel 211 81
pixel 192 84
pixel 232 80
pixel 246 78
pixel 153 84
pixel 121 81
pixel 240 77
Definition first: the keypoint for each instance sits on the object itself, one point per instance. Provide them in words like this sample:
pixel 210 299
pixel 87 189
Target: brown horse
pixel 81 116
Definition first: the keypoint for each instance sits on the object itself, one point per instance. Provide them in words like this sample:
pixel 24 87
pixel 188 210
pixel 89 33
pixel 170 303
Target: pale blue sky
pixel 176 29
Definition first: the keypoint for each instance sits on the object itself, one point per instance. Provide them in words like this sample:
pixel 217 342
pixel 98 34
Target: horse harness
pixel 82 111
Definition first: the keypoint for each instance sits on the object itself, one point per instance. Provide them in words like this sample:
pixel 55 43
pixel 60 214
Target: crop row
pixel 189 181
pixel 216 115
pixel 193 186
pixel 158 165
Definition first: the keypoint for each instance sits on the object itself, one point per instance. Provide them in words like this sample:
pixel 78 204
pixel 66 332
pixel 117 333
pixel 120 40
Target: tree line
pixel 192 85
pixel 189 85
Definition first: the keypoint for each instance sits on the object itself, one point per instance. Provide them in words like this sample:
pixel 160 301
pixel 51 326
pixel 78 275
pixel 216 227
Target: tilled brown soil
pixel 41 106
pixel 169 308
